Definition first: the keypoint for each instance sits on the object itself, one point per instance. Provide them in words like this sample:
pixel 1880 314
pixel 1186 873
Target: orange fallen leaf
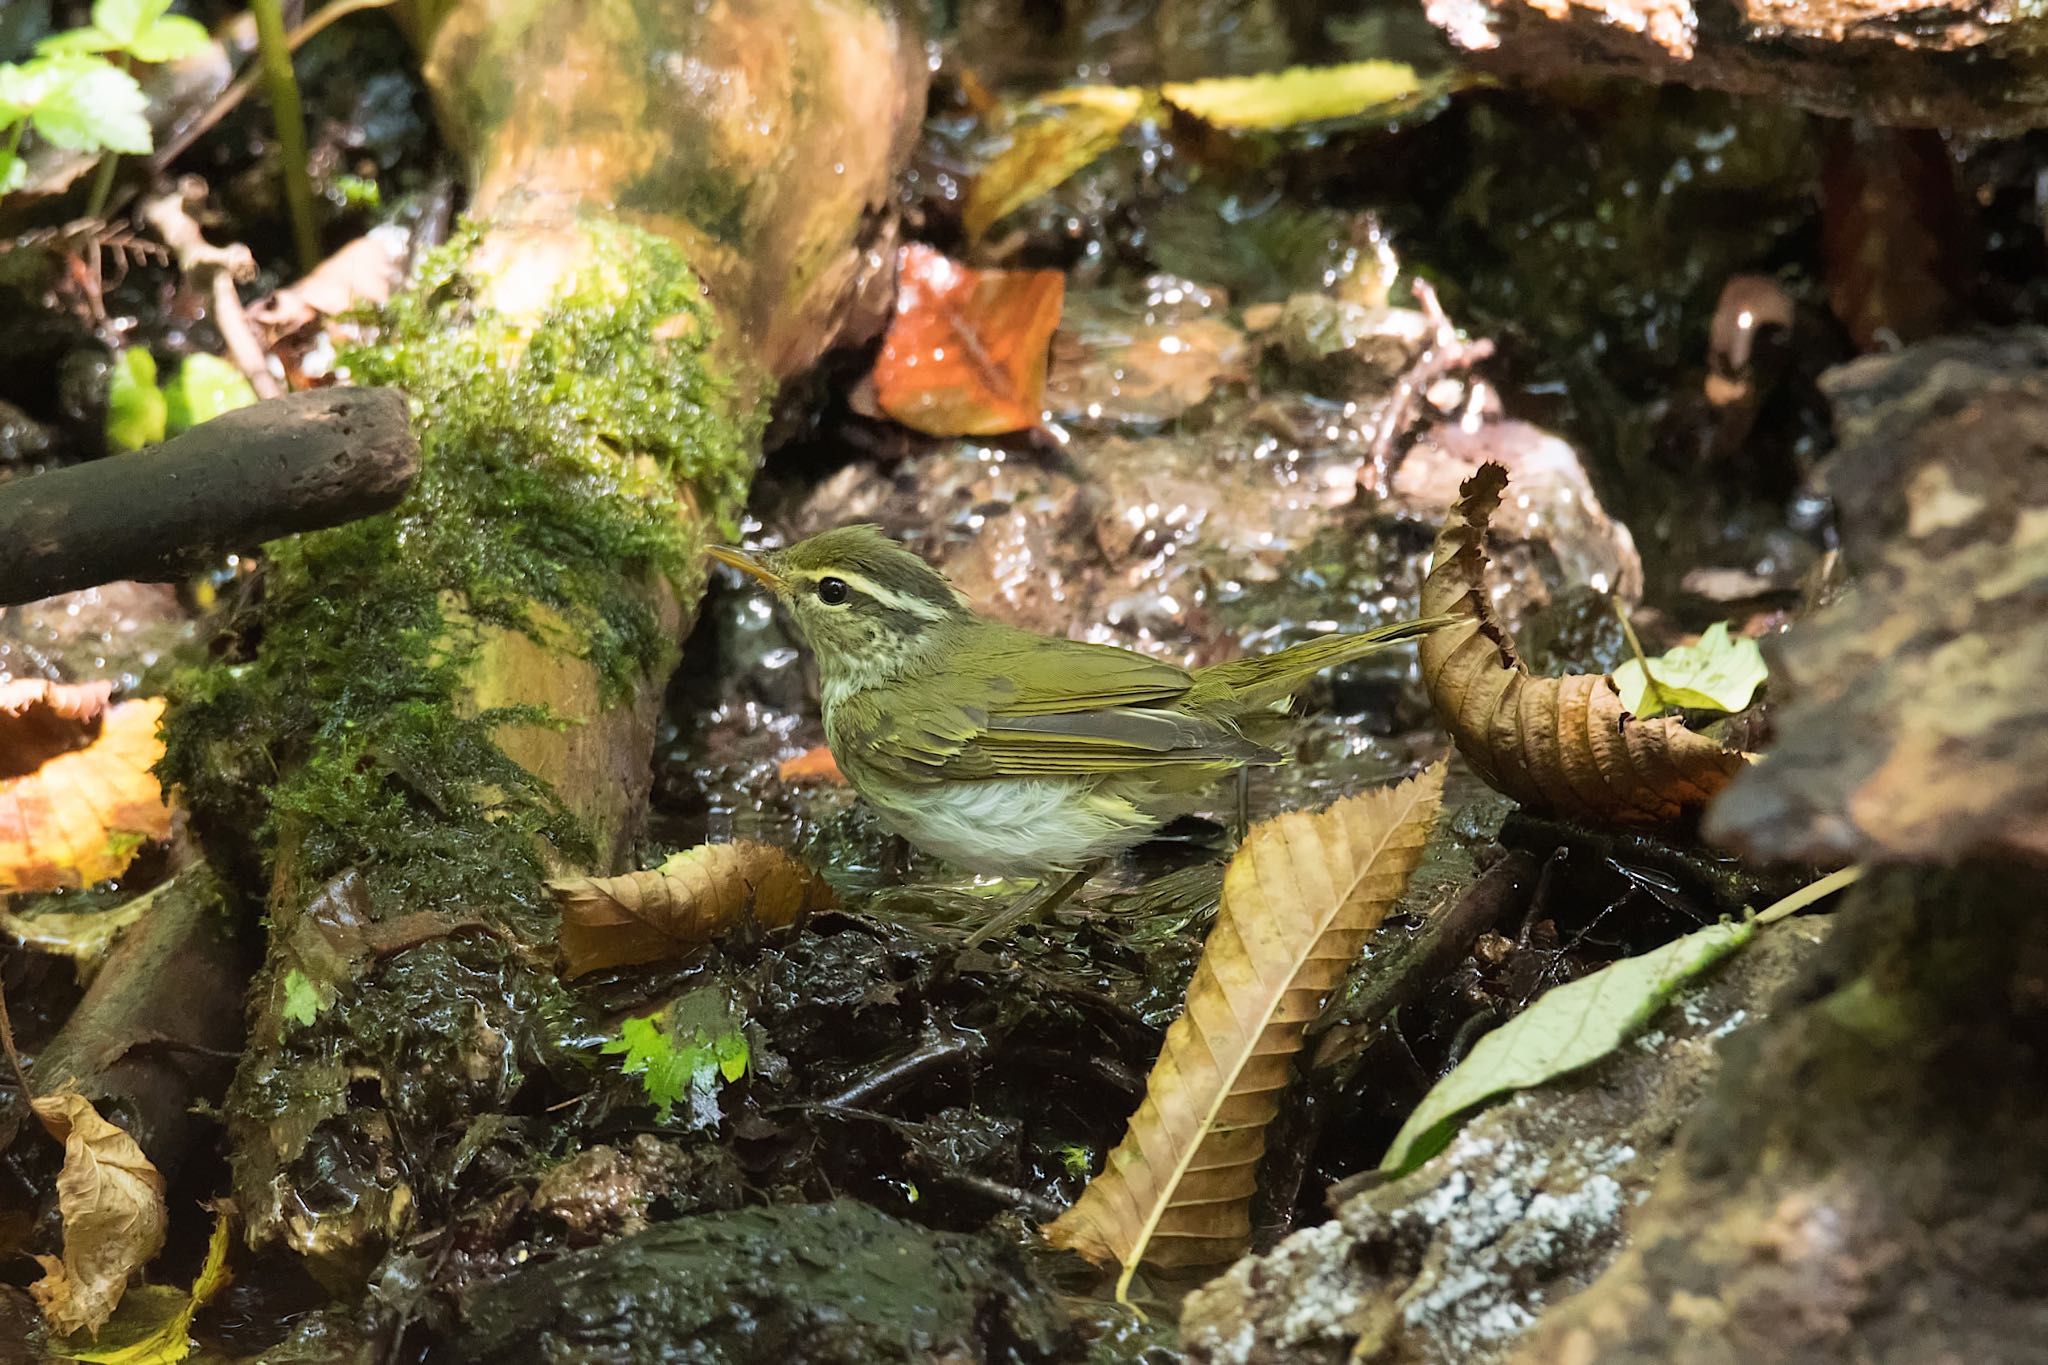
pixel 809 767
pixel 966 352
pixel 77 797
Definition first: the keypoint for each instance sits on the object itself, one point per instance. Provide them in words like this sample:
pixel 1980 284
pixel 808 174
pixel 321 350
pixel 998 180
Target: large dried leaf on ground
pixel 966 352
pixel 1559 745
pixel 1299 899
pixel 154 1324
pixel 112 1202
pixel 692 898
pixel 77 797
pixel 1049 139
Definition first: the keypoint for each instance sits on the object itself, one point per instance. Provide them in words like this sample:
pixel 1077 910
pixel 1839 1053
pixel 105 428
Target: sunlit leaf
pixel 137 411
pixel 966 352
pixel 87 104
pixel 1559 745
pixel 147 31
pixel 1572 1026
pixel 1050 139
pixel 694 897
pixel 77 797
pixel 112 1202
pixel 154 1324
pixel 1299 900
pixel 1720 673
pixel 205 387
pixel 1303 94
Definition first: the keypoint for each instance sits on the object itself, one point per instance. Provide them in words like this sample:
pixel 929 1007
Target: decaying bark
pixel 452 702
pixel 253 475
pixel 1955 64
pixel 1865 1183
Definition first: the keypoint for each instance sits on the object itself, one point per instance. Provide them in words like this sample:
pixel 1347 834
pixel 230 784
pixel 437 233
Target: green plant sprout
pixel 74 97
pixel 274 50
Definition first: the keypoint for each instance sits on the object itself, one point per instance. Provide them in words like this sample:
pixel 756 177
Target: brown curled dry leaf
pixel 692 898
pixel 112 1202
pixel 1299 899
pixel 1563 746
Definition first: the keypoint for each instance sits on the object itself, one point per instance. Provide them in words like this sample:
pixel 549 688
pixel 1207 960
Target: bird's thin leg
pixel 1031 908
pixel 1244 802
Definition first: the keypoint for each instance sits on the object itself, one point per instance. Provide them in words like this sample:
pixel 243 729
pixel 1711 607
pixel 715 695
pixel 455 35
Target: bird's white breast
pixel 1015 826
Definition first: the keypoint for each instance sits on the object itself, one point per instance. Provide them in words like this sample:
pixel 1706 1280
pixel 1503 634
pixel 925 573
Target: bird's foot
pixel 1030 908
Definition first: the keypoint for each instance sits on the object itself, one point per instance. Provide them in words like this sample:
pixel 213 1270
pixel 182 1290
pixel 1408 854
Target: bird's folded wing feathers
pixel 1020 705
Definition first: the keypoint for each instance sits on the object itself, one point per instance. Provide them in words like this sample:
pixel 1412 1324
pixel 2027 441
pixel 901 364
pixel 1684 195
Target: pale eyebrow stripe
pixel 920 607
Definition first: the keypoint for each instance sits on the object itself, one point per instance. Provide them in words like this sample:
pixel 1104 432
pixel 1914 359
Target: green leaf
pixel 1720 673
pixel 85 104
pixel 301 997
pixel 78 40
pixel 205 387
pixel 136 410
pixel 1049 139
pixel 732 1055
pixel 1570 1027
pixel 1304 94
pixel 680 1053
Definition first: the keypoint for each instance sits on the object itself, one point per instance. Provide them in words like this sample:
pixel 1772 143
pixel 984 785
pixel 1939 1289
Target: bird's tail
pixel 1269 679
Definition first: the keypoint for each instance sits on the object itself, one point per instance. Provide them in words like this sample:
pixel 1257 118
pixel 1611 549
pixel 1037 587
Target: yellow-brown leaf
pixel 75 806
pixel 692 898
pixel 1565 746
pixel 1299 899
pixel 112 1202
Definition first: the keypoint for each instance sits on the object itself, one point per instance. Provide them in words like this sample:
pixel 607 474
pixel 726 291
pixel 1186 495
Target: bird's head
pixel 863 603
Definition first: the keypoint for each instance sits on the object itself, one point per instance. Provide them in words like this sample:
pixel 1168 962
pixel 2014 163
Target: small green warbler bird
pixel 1009 752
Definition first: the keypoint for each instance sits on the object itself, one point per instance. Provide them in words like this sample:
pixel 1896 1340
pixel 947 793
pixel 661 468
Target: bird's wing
pixel 1076 710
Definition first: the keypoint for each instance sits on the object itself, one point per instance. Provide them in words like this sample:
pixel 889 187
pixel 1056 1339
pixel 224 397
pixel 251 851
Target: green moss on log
pixel 570 464
pixel 554 458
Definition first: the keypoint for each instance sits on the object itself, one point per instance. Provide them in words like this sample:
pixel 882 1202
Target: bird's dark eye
pixel 833 592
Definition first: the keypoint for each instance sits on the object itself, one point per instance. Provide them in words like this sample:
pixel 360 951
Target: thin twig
pixel 7 1041
pixel 215 269
pixel 1807 895
pixel 1446 353
pixel 243 84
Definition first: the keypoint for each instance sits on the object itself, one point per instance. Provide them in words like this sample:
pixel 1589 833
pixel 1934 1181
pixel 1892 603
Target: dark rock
pixel 817 1284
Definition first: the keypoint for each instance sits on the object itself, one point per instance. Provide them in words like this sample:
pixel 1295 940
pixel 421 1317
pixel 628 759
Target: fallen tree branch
pixel 296 464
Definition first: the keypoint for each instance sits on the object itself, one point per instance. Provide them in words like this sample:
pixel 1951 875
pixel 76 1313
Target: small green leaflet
pixel 1720 673
pixel 205 387
pixel 77 101
pixel 685 1064
pixel 143 29
pixel 301 997
pixel 1570 1027
pixel 136 408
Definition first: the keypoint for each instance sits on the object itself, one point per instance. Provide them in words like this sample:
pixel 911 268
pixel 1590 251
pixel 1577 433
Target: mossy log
pixel 441 706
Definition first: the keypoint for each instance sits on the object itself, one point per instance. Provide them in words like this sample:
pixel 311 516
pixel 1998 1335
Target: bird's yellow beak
pixel 748 565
